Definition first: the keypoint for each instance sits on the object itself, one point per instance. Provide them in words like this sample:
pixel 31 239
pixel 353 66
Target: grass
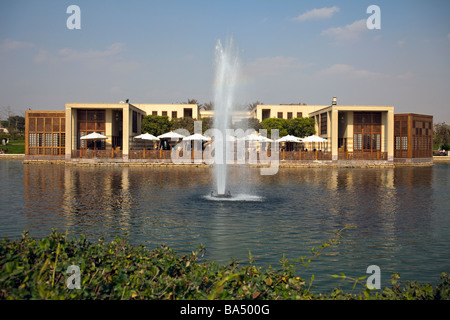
pixel 14 146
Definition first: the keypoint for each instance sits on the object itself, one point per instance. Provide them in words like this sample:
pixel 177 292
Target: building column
pixel 126 132
pixel 349 131
pixel 71 125
pixel 390 135
pixel 334 135
pixel 316 124
pixel 108 128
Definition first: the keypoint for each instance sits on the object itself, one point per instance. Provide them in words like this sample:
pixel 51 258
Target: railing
pixel 305 155
pixel 374 155
pixel 150 154
pixel 96 154
pixel 166 155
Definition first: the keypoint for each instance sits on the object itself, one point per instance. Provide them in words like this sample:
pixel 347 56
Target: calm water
pixel 401 215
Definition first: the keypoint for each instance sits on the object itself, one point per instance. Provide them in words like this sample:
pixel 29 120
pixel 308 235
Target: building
pixel 353 132
pixel 45 133
pixel 120 122
pixel 413 137
pixel 363 132
pixel 3 130
pixel 283 111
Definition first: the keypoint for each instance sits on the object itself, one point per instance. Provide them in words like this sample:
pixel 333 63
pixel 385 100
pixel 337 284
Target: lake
pixel 401 215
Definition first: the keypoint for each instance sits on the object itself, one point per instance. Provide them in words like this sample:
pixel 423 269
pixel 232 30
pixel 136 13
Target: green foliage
pixel 441 134
pixel 183 123
pixel 275 123
pixel 156 125
pixel 248 123
pixel 207 123
pixel 299 127
pixel 37 269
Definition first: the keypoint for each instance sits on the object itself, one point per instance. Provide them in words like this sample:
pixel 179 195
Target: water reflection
pixel 399 215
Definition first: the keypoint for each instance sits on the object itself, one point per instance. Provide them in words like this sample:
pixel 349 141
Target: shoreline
pixel 281 164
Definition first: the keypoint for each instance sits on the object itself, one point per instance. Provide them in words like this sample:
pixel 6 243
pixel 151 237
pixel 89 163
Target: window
pixel 357 141
pixel 187 112
pixel 367 142
pixel 164 113
pixel 154 113
pixel 280 115
pixel 367 131
pixel 32 140
pixel 376 142
pixel 135 124
pixel 174 114
pixel 265 114
pixel 289 115
pixel 40 141
pixel 404 145
pixel 323 123
pixel 63 140
pixel 55 140
pixel 299 115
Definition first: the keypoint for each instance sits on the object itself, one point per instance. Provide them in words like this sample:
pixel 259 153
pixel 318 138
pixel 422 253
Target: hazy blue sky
pixel 163 52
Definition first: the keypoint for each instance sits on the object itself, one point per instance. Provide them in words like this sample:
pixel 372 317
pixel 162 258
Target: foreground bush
pixel 37 269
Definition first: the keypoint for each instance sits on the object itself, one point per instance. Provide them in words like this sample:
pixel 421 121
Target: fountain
pixel 227 66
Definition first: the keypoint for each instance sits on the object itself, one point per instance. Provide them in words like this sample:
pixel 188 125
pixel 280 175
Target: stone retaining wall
pixel 11 156
pixel 281 164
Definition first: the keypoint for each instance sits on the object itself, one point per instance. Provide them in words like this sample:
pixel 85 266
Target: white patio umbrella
pixel 290 138
pixel 196 137
pixel 171 135
pixel 255 137
pixel 314 139
pixel 94 136
pixel 147 136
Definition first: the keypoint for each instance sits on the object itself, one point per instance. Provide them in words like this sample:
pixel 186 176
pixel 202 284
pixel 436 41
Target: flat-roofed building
pixel 357 132
pixel 353 132
pixel 45 133
pixel 413 136
pixel 283 111
pixel 119 122
pixel 173 111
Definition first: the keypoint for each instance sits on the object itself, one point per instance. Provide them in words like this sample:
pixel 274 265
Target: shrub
pixel 37 269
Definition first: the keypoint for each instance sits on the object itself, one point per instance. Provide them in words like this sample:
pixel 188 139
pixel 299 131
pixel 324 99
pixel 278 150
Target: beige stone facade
pixel 353 132
pixel 119 122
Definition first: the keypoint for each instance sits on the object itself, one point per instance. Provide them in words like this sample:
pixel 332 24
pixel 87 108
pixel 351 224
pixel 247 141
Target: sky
pixel 164 52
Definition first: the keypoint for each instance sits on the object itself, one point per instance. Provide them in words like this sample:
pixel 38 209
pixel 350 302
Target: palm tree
pixel 250 106
pixel 207 106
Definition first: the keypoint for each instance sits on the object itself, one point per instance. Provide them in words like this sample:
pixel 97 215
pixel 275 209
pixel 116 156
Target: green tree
pixel 250 106
pixel 207 123
pixel 156 125
pixel 248 123
pixel 183 123
pixel 207 106
pixel 441 135
pixel 275 123
pixel 301 127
